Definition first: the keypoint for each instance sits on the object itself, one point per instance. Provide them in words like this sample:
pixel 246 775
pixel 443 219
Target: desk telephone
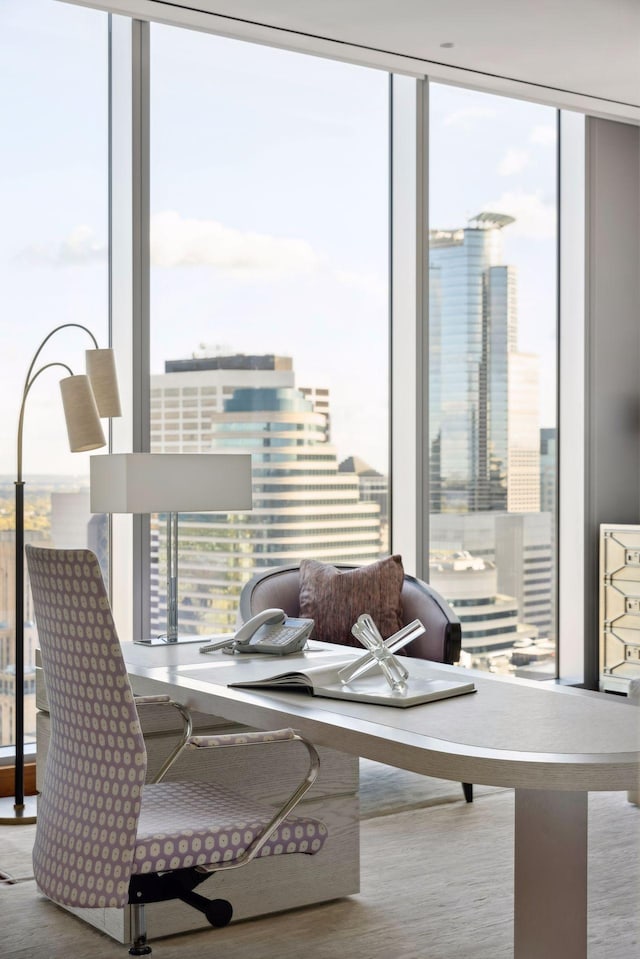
pixel 270 631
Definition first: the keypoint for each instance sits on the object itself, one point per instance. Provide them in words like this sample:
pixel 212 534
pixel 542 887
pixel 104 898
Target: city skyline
pixel 269 232
pixel 303 505
pixel 269 235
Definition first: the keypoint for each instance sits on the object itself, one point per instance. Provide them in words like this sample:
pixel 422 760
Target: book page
pixel 325 674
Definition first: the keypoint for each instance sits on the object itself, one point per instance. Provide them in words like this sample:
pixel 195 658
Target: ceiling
pixel 586 47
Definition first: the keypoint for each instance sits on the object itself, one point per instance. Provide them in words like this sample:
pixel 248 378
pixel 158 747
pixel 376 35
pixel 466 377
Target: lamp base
pixel 163 641
pixel 12 815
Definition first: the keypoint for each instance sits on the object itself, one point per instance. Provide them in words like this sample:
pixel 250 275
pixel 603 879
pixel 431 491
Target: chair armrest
pixel 262 739
pixel 187 729
pixel 243 739
pixel 150 700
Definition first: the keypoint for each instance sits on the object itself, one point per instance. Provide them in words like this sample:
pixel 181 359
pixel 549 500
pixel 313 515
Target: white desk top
pixel 509 733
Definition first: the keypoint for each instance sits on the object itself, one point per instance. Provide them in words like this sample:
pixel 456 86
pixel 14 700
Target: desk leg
pixel 550 875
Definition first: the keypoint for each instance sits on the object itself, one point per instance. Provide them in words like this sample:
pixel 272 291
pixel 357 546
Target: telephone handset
pixel 270 631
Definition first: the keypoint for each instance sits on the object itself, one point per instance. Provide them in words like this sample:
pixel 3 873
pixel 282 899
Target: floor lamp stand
pixel 21 809
pixel 85 399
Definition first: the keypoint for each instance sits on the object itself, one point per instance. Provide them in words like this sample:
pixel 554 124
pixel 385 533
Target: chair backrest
pixel 279 587
pixel 96 764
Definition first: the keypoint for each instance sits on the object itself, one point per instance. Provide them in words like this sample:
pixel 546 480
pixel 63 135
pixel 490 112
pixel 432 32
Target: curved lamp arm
pixel 64 326
pixel 27 386
pixel 102 381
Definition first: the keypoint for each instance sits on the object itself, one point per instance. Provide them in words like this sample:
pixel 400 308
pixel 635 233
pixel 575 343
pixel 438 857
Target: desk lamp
pixel 171 483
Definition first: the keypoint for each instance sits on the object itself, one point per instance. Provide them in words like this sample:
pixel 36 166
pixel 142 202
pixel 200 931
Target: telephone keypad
pixel 278 635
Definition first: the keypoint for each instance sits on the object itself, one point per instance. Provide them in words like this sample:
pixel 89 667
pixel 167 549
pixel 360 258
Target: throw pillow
pixel 335 598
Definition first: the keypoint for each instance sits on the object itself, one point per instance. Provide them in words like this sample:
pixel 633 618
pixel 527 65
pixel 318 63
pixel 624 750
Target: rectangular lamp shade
pixel 170 482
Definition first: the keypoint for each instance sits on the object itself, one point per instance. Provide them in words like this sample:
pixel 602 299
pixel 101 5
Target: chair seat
pixel 195 824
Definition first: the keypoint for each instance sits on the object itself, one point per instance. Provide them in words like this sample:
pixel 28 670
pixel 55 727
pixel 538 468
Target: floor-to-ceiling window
pixel 53 270
pixel 492 374
pixel 269 305
pixel 268 329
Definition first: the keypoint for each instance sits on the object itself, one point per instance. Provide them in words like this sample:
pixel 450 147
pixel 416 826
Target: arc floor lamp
pixel 85 398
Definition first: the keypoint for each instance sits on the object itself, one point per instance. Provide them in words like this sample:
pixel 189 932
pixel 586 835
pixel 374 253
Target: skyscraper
pixel 484 429
pixel 548 458
pixel 483 402
pixel 303 506
pixel 518 545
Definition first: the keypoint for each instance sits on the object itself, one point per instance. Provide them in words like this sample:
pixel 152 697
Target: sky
pixel 269 212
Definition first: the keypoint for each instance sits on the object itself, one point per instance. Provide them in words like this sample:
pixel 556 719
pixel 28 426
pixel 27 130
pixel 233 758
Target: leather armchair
pixel 279 587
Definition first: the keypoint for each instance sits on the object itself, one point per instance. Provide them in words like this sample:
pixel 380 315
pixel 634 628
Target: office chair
pixel 104 838
pixel 279 587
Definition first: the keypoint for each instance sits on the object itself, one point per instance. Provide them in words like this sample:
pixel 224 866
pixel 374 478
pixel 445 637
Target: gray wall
pixel 612 380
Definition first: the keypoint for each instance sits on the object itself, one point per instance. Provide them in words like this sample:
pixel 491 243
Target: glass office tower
pixel 303 505
pixel 484 423
pixel 483 399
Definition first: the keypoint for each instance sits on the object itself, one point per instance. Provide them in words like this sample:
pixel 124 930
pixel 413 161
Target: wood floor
pixel 436 884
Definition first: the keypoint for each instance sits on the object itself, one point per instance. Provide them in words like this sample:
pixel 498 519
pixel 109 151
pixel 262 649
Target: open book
pixel 372 688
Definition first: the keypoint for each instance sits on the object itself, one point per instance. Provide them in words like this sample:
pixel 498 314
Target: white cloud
pixel 513 161
pixel 178 241
pixel 467 118
pixel 80 247
pixel 369 283
pixel 543 135
pixel 534 218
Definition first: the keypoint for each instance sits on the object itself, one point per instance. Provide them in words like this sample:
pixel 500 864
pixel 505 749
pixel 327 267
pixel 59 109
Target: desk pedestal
pixel 550 875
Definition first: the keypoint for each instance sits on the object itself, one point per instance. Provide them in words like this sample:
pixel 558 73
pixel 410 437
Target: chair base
pixel 139 946
pixel 179 884
pixel 467 789
pixel 140 949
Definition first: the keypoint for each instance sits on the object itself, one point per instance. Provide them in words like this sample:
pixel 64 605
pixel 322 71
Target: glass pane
pixel 53 270
pixel 269 315
pixel 492 369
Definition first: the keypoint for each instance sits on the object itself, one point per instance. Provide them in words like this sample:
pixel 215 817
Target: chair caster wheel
pixel 140 950
pixel 219 913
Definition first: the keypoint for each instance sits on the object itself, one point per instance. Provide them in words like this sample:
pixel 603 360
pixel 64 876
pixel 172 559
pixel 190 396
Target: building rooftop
pixel 235 361
pixel 354 464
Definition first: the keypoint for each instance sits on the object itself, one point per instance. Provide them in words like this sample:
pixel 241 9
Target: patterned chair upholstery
pixel 105 838
pixel 279 587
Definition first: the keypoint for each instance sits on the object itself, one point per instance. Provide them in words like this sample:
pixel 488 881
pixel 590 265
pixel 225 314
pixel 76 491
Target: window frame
pixel 408 473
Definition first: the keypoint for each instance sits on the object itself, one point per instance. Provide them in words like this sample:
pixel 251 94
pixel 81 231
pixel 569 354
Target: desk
pixel 551 744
